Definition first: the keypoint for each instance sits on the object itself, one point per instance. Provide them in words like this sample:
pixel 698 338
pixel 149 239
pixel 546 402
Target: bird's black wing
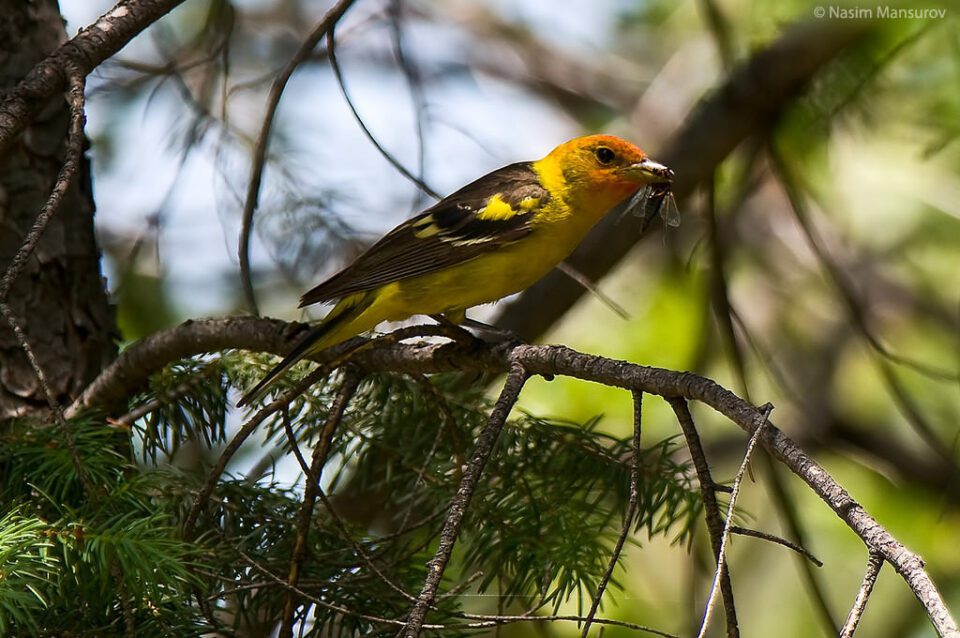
pixel 484 215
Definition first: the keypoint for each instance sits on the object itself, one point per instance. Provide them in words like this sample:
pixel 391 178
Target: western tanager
pixel 492 238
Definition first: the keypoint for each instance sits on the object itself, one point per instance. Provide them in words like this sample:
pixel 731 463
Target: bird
pixel 492 238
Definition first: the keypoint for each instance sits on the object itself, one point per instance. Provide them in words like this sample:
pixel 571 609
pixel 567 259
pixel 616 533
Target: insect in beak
pixel 650 172
pixel 656 196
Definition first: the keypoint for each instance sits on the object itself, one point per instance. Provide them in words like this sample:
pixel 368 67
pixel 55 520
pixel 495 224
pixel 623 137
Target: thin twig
pixel 133 367
pixel 874 563
pixel 400 168
pixel 414 86
pixel 73 150
pixel 263 139
pixel 632 506
pixel 486 620
pixel 292 440
pixel 494 620
pixel 803 551
pixel 711 510
pixel 593 289
pixel 307 596
pixel 334 515
pixel 722 561
pixel 351 380
pixel 458 506
pixel 241 436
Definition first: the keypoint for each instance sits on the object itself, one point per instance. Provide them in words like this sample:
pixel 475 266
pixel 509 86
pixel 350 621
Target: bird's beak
pixel 649 172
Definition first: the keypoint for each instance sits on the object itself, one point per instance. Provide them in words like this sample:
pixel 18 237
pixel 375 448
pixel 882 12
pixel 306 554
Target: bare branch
pixel 711 510
pixel 632 506
pixel 263 139
pixel 803 551
pixel 874 563
pixel 350 382
pixel 594 290
pixel 460 502
pixel 74 149
pixel 394 162
pixel 137 363
pixel 728 524
pixel 84 52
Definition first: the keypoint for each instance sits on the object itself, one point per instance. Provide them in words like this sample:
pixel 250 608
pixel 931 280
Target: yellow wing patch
pixel 496 209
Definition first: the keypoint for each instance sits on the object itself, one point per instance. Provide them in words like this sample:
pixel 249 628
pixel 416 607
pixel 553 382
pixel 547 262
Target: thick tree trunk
pixel 59 298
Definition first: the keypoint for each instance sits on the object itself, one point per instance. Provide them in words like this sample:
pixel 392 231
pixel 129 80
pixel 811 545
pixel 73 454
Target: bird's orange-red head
pixel 604 169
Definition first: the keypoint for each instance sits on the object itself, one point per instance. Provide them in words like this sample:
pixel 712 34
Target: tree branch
pixel 84 52
pixel 711 511
pixel 350 382
pixel 263 139
pixel 137 363
pixel 460 502
pixel 874 563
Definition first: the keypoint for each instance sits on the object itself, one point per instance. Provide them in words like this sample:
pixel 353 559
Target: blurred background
pixel 817 265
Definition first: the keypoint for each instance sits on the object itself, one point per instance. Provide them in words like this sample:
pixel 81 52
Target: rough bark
pixel 59 298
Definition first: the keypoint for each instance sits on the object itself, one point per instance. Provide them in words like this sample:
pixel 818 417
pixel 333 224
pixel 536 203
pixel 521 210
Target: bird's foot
pixel 480 335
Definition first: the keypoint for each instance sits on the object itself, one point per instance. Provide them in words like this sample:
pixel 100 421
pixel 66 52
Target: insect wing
pixel 668 210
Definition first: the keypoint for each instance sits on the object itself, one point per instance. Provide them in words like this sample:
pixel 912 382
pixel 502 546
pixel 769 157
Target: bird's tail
pixel 317 339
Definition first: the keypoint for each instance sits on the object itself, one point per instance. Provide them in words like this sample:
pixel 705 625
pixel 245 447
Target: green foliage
pixel 27 566
pixel 89 555
pixel 40 456
pixel 551 515
pixel 107 551
pixel 542 522
pixel 191 396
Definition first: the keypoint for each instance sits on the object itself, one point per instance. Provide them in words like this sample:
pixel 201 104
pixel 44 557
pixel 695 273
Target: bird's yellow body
pixel 464 286
pixel 492 238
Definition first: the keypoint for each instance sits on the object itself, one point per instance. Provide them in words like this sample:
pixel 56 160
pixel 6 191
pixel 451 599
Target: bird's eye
pixel 604 155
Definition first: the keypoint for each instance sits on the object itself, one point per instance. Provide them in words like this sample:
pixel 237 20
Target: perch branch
pixel 134 366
